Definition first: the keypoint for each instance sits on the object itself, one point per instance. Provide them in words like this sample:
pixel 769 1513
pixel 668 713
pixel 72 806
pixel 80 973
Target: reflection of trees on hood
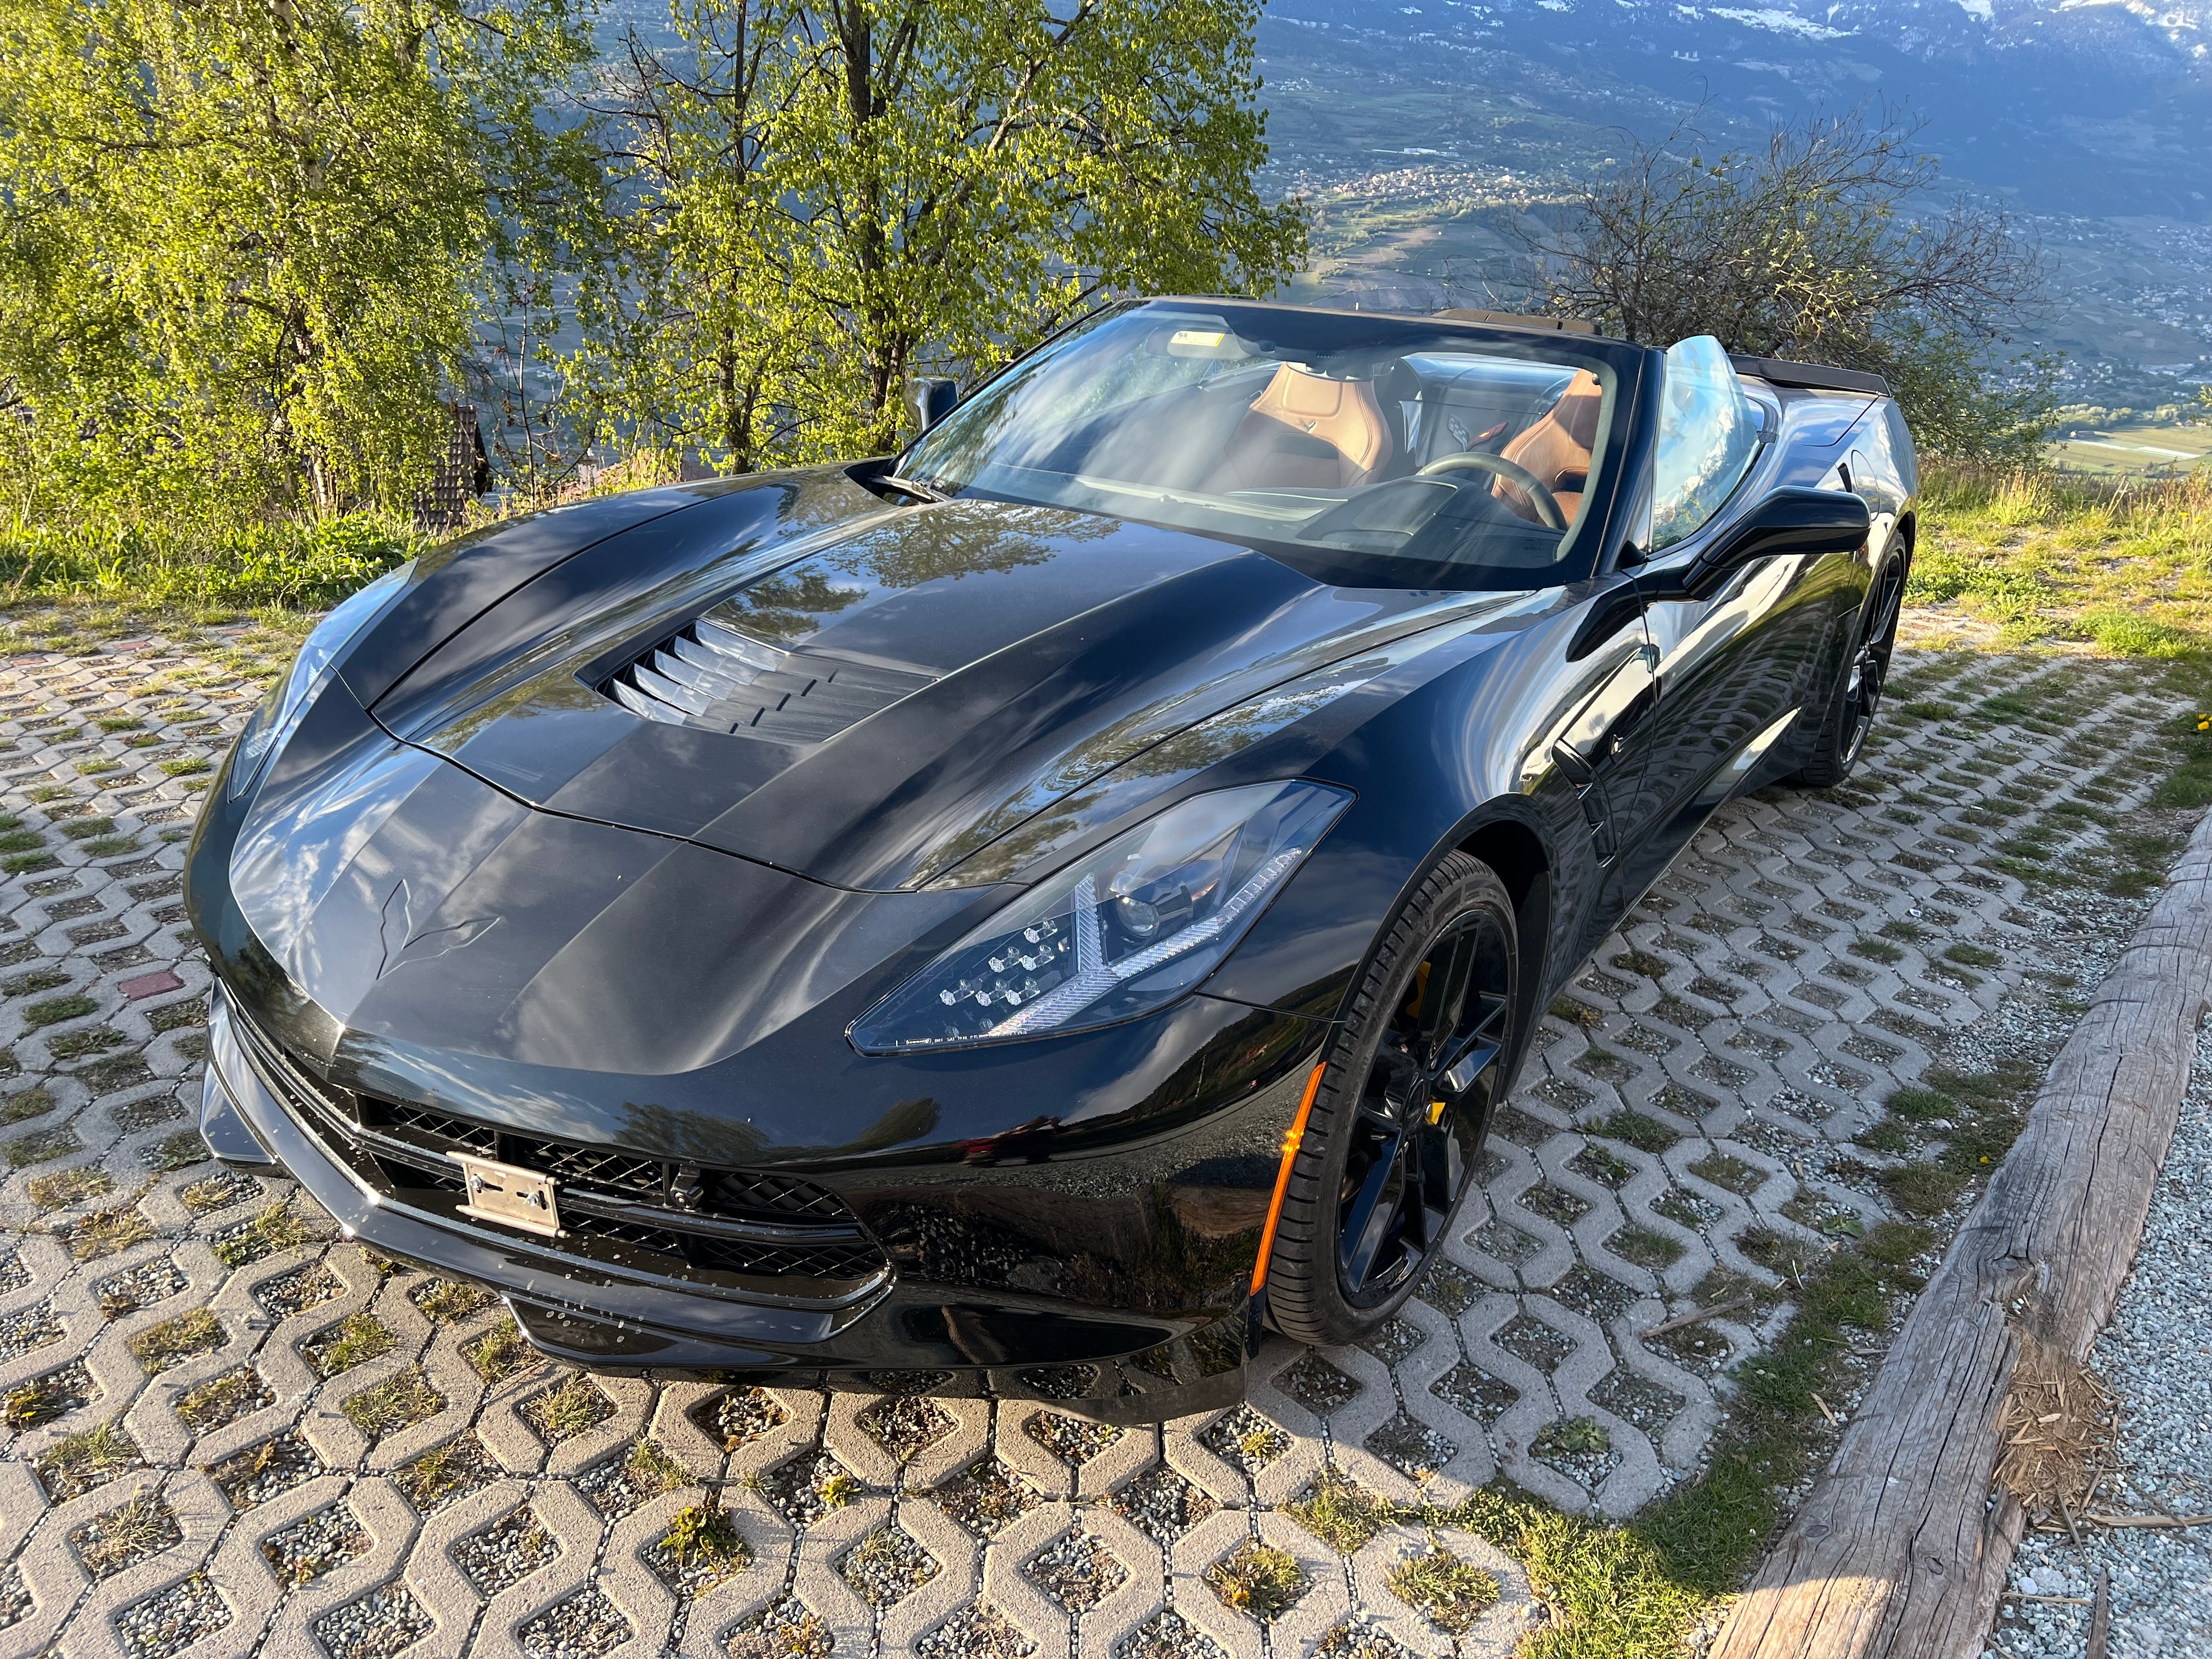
pixel 962 538
pixel 784 606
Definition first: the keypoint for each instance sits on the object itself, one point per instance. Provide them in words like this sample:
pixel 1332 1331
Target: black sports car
pixel 1021 915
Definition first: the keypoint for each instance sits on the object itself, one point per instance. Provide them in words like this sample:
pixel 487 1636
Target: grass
pixel 500 1353
pixel 106 1231
pixel 1260 1580
pixel 42 1146
pixel 1635 1591
pixel 30 1404
pixel 199 570
pixel 706 1534
pixel 173 1342
pixel 78 1463
pixel 1340 1512
pixel 434 1473
pixel 275 1229
pixel 1451 1592
pixel 567 1410
pixel 444 1300
pixel 121 1536
pixel 359 1337
pixel 34 1102
pixel 2123 565
pixel 220 1400
pixel 56 1009
pixel 653 1470
pixel 398 1402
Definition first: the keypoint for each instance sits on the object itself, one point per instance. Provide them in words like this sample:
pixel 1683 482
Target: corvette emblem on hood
pixel 401 943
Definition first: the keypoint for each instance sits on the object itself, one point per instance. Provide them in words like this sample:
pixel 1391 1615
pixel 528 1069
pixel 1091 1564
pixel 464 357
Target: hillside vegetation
pixel 2030 557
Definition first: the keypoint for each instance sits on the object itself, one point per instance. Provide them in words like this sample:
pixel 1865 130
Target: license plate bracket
pixel 511 1196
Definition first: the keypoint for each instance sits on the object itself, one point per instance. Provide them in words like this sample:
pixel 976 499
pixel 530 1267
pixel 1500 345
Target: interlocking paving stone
pixel 1687 1125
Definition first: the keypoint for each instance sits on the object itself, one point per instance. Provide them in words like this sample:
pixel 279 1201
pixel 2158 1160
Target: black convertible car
pixel 1022 914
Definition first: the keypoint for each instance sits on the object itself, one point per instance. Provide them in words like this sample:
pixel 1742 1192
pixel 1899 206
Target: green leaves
pixel 830 197
pixel 240 266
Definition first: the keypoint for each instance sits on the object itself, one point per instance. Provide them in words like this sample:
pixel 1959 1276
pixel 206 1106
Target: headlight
pixel 280 712
pixel 1122 932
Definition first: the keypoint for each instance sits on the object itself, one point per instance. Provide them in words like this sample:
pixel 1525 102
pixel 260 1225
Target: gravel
pixel 384 1621
pixel 28 1329
pixel 907 1425
pixel 307 1549
pixel 303 1287
pixel 1078 1571
pixel 1318 1386
pixel 2157 1357
pixel 1246 1439
pixel 977 1633
pixel 584 1626
pixel 1169 1635
pixel 140 1287
pixel 888 1565
pixel 1410 1447
pixel 985 1498
pixel 505 1552
pixel 15 1598
pixel 810 1485
pixel 745 1415
pixel 1162 1505
pixel 1073 1440
pixel 260 1472
pixel 788 1629
pixel 173 1620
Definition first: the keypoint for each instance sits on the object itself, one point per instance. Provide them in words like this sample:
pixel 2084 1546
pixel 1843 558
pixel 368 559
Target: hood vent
pixel 715 676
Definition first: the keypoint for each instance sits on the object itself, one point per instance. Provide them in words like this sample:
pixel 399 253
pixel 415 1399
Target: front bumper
pixel 893 1334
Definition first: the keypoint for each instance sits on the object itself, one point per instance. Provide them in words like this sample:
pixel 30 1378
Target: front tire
pixel 1850 721
pixel 1424 1058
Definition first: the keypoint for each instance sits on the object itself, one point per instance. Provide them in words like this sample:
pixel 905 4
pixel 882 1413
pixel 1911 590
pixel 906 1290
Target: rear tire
pixel 1424 1058
pixel 1857 698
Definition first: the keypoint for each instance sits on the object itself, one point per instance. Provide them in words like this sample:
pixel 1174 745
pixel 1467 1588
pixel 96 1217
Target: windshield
pixel 1364 451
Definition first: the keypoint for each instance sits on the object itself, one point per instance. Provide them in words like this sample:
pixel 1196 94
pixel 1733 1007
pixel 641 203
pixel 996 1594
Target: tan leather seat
pixel 1304 432
pixel 1556 449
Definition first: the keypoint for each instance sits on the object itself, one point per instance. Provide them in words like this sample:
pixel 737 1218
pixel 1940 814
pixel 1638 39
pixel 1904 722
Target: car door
pixel 1735 664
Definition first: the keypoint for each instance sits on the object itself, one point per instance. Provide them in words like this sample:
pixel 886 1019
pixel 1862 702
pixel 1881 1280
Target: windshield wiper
pixel 913 487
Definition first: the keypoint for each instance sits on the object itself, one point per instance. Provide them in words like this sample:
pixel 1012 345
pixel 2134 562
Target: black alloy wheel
pixel 1870 669
pixel 1858 695
pixel 1391 1146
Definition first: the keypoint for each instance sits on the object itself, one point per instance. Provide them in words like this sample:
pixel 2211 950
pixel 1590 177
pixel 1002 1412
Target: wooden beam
pixel 1898 1553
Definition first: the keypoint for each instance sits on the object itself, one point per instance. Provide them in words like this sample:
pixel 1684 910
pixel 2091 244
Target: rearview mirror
pixel 1788 522
pixel 929 400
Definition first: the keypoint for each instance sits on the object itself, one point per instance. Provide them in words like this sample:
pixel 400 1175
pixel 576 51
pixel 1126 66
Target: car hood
pixel 933 677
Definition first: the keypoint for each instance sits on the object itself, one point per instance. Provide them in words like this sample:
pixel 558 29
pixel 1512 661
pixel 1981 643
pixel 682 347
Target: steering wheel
pixel 1546 504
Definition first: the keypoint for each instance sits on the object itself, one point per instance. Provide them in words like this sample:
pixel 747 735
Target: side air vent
pixel 716 676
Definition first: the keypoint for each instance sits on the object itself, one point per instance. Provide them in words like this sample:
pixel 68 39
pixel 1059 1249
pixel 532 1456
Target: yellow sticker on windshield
pixel 1202 343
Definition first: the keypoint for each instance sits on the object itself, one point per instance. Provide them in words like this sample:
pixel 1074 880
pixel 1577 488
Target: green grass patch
pixel 1260 1580
pixel 1451 1593
pixel 398 1402
pixel 1340 1512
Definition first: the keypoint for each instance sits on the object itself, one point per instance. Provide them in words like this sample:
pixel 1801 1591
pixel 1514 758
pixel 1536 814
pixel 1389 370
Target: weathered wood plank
pixel 1897 1552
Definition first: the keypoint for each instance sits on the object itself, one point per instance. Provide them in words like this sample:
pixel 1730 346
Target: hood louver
pixel 715 676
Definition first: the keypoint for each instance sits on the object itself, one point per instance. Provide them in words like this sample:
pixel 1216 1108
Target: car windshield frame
pixel 1301 337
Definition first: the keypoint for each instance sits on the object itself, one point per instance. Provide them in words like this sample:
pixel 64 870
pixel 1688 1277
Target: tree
pixel 1821 248
pixel 242 242
pixel 832 197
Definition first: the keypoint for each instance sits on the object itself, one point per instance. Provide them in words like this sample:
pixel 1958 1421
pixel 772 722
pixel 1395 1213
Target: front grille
pixel 744 1230
pixel 716 676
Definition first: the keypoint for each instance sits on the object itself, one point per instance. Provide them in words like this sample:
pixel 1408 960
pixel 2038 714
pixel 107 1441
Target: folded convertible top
pixel 1817 377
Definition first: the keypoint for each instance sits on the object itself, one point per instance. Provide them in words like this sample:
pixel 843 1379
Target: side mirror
pixel 929 400
pixel 1788 522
